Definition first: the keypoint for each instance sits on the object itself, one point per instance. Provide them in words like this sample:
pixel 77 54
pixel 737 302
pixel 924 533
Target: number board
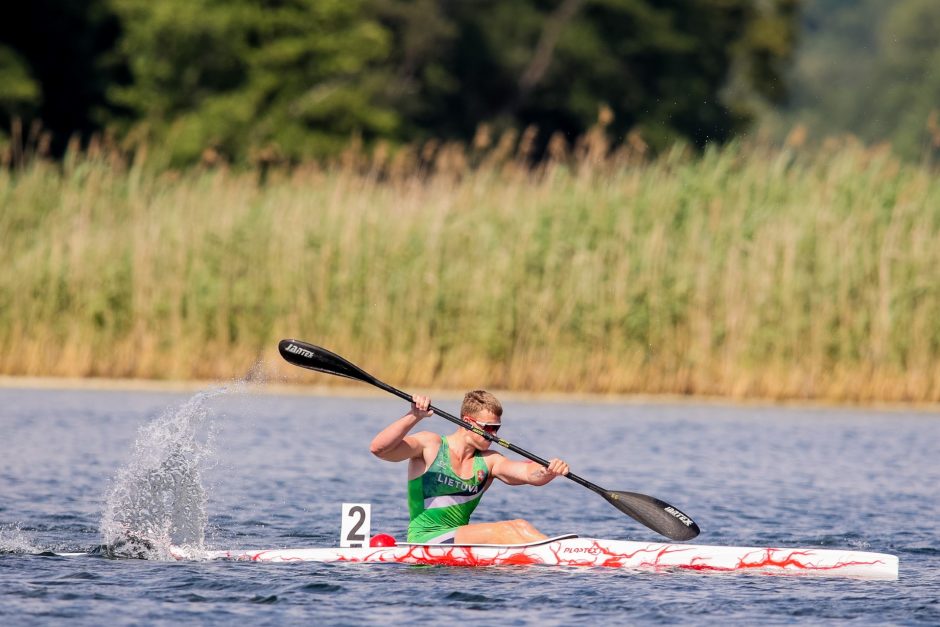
pixel 356 525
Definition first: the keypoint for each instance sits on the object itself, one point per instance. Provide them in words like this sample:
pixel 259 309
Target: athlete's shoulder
pixel 492 457
pixel 427 438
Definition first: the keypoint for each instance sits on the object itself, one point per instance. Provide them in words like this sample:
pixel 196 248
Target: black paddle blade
pixel 316 358
pixel 658 515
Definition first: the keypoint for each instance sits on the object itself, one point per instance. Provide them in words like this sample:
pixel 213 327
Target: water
pixel 272 471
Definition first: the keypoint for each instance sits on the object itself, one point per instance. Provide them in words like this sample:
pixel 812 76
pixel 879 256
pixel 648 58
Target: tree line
pixel 295 79
pixel 250 80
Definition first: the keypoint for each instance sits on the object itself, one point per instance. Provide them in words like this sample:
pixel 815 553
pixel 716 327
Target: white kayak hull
pixel 575 551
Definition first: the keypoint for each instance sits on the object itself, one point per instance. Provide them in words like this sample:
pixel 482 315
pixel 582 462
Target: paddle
pixel 659 516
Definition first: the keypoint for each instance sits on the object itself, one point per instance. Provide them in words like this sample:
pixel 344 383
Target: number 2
pixel 353 536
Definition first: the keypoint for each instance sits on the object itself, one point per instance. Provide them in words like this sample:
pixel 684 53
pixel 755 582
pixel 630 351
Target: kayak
pixel 571 550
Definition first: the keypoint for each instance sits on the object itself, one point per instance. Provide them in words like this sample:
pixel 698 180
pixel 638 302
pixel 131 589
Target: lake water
pixel 272 471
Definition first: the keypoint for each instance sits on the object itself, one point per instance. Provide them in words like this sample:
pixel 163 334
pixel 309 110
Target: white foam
pixel 15 540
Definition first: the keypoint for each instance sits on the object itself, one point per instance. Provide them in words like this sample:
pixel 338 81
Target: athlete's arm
pixel 393 442
pixel 527 473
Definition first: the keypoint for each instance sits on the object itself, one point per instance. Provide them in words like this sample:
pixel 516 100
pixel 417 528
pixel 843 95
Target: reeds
pixel 745 271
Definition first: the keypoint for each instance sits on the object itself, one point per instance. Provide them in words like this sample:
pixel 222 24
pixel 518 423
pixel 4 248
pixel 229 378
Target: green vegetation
pixel 356 173
pixel 748 270
pixel 260 82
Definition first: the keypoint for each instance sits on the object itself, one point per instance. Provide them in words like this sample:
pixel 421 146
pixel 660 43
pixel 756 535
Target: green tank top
pixel 439 501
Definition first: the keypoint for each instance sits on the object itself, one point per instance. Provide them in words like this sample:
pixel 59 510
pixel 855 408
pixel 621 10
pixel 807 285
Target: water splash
pixel 16 541
pixel 158 499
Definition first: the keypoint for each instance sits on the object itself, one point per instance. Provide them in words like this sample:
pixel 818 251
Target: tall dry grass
pixel 746 271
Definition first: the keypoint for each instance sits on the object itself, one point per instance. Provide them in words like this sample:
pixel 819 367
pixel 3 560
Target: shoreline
pixel 362 390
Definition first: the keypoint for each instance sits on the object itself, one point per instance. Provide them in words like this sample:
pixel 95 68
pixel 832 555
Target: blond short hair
pixel 476 401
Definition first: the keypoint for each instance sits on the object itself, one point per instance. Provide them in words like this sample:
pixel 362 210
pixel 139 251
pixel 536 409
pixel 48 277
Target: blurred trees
pixel 19 91
pixel 291 77
pixel 287 79
pixel 55 65
pixel 872 69
pixel 677 69
pixel 908 76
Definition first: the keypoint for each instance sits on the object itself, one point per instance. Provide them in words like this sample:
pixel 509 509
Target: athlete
pixel 447 475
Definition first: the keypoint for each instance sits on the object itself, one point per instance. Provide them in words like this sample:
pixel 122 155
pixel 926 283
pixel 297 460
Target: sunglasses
pixel 489 427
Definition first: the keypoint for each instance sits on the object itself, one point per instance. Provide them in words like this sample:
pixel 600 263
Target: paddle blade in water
pixel 658 515
pixel 316 358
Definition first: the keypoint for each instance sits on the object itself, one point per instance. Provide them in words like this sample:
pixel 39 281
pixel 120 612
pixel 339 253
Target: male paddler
pixel 447 475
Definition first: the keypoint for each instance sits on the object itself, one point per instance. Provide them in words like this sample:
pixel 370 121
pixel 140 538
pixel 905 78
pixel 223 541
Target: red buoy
pixel 382 539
